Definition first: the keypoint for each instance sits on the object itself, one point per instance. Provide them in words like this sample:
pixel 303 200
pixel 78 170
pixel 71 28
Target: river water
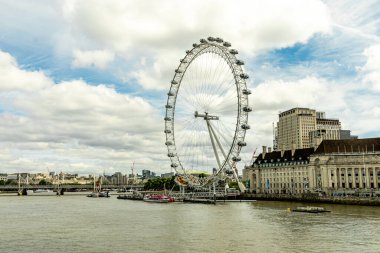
pixel 81 224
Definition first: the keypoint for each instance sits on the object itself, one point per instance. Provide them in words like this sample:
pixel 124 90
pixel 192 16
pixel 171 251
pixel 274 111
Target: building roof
pixel 275 156
pixel 327 146
pixel 349 146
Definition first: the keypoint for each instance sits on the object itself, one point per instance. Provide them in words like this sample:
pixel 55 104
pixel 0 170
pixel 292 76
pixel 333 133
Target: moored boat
pixel 158 198
pixel 98 195
pixel 40 192
pixel 310 209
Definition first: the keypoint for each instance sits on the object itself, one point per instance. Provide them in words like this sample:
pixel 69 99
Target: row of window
pixel 282 164
pixel 284 185
pixel 283 173
pixel 290 179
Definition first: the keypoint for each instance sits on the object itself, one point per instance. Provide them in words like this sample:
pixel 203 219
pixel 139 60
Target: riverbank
pixel 315 199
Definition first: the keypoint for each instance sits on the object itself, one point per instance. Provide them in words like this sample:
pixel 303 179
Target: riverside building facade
pixel 280 172
pixel 336 167
pixel 347 166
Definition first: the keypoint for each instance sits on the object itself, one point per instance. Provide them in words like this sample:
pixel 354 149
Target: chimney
pixel 269 149
pixel 264 151
pixel 293 148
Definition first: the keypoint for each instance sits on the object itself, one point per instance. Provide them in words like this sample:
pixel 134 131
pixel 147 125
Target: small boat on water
pixel 41 192
pixel 310 209
pixel 158 198
pixel 98 195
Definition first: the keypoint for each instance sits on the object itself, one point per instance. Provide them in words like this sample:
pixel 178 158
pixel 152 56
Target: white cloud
pixel 134 29
pixel 372 66
pixel 60 125
pixel 276 95
pixel 168 24
pixel 376 112
pixel 95 58
pixel 12 78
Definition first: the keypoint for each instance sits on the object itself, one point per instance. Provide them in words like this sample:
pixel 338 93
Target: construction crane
pixel 253 157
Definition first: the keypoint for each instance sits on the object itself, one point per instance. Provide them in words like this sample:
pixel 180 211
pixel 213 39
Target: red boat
pixel 158 198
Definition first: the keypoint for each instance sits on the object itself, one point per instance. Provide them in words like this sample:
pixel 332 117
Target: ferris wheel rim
pixel 223 51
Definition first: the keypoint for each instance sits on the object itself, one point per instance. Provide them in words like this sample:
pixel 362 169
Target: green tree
pixel 233 184
pixel 11 182
pixel 44 182
pixel 159 184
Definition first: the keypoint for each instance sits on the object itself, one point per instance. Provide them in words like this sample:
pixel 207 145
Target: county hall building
pixel 334 167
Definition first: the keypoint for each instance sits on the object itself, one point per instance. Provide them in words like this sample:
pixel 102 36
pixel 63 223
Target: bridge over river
pixel 61 188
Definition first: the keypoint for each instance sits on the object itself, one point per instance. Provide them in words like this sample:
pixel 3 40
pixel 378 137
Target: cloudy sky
pixel 83 83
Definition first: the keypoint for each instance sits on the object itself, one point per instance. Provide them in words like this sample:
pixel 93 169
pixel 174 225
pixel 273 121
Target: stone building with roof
pixel 335 167
pixel 347 165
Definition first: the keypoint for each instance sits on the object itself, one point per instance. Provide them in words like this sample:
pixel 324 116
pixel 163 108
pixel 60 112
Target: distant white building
pixel 167 175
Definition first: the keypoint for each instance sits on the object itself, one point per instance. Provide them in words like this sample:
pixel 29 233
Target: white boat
pixel 41 192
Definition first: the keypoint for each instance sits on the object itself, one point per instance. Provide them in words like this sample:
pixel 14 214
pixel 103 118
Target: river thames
pixel 81 224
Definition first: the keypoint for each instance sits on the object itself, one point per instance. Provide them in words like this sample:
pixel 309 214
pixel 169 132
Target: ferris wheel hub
pixel 205 116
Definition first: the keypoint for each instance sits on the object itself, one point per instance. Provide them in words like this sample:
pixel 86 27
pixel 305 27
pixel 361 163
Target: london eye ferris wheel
pixel 207 113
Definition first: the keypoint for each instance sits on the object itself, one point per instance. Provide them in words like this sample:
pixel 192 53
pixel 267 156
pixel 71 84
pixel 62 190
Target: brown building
pixel 304 128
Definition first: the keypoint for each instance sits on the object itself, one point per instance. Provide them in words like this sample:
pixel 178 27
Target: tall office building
pixel 304 128
pixel 293 128
pixel 327 129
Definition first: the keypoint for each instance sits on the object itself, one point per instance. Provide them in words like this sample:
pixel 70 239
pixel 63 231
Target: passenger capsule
pixel 219 40
pixel 239 62
pixel 244 76
pixel 183 61
pixel 226 44
pixel 168 119
pixel 247 109
pixel 171 155
pixel 195 45
pixel 167 131
pixel 178 71
pixel 245 126
pixel 170 93
pixel 242 143
pixel 236 159
pixel 188 51
pixel 168 106
pixel 229 172
pixel 246 91
pixel 233 51
pixel 174 82
pixel 211 39
pixel 203 41
pixel 174 165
